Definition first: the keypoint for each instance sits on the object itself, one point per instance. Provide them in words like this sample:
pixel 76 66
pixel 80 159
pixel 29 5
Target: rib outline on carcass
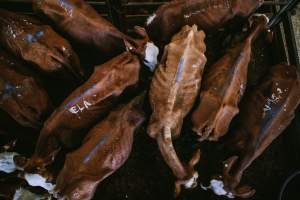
pixel 173 91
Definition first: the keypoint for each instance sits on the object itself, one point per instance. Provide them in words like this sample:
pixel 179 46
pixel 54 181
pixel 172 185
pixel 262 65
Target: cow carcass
pixel 104 150
pixel 21 96
pixel 206 14
pixel 265 114
pixel 173 91
pixel 85 106
pixel 223 87
pixel 39 45
pixel 82 22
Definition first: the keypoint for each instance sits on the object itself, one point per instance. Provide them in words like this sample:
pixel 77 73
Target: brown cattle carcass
pixel 79 20
pixel 85 106
pixel 38 44
pixel 104 150
pixel 20 94
pixel 265 114
pixel 173 91
pixel 207 14
pixel 223 87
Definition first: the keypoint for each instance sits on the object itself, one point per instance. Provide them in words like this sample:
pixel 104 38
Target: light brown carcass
pixel 173 91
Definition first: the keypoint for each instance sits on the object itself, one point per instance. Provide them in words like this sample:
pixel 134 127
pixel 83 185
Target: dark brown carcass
pixel 79 20
pixel 105 149
pixel 85 106
pixel 207 14
pixel 38 44
pixel 173 91
pixel 20 94
pixel 223 87
pixel 265 114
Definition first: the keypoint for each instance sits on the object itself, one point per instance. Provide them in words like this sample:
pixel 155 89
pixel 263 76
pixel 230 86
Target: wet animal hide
pixel 38 44
pixel 82 22
pixel 104 150
pixel 20 94
pixel 265 114
pixel 223 87
pixel 207 14
pixel 85 106
pixel 173 91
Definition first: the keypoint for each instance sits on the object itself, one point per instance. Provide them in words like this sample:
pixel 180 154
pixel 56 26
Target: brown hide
pixel 265 114
pixel 223 87
pixel 82 22
pixel 38 44
pixel 206 14
pixel 173 91
pixel 104 150
pixel 85 106
pixel 20 94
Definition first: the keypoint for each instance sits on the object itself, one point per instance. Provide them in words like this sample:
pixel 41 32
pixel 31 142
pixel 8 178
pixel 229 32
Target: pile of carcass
pixel 93 128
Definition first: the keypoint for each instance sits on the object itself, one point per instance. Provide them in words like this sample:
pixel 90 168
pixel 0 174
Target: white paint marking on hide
pixel 23 194
pixel 151 54
pixel 150 19
pixel 7 163
pixel 77 108
pixel 38 180
pixel 87 104
pixel 73 110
